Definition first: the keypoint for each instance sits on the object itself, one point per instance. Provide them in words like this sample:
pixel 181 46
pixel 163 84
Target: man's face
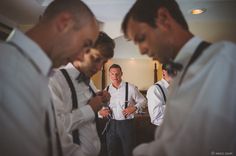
pixel 92 62
pixel 151 41
pixel 115 75
pixel 74 42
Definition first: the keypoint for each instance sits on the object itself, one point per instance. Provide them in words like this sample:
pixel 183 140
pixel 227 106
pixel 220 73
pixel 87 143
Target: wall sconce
pixel 198 11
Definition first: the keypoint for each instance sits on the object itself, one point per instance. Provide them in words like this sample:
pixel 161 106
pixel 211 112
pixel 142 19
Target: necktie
pixel 173 68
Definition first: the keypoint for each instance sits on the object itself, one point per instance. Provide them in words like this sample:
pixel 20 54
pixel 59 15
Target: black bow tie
pixel 83 78
pixel 172 68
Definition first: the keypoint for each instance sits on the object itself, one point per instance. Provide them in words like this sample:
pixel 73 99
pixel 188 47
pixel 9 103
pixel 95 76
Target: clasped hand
pixel 129 110
pixel 99 100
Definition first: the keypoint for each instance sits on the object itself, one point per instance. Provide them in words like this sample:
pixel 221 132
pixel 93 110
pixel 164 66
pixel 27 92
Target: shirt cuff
pixel 138 106
pixel 99 116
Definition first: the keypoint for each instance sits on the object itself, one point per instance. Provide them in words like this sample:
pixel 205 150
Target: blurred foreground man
pixel 28 127
pixel 201 109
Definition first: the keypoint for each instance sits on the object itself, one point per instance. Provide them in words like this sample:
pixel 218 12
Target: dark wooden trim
pixel 103 77
pixel 155 72
pixel 5 30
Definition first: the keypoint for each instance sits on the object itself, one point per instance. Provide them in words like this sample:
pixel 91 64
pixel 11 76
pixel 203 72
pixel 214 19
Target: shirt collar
pixel 187 50
pixel 33 50
pixel 165 83
pixel 74 72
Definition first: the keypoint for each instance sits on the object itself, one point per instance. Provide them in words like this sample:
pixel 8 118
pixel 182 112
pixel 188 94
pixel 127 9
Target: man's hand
pixel 95 103
pixel 105 96
pixel 104 112
pixel 99 100
pixel 129 110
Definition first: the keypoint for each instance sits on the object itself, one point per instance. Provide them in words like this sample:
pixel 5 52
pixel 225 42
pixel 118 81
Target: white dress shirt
pixel 27 122
pixel 200 118
pixel 81 118
pixel 117 101
pixel 156 101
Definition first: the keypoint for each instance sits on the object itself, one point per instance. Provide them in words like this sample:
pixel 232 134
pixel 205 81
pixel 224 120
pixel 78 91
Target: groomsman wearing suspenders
pixel 201 109
pixel 125 101
pixel 156 97
pixel 77 101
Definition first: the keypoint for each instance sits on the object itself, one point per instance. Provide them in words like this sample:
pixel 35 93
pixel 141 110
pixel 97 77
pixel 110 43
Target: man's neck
pixel 116 85
pixel 77 66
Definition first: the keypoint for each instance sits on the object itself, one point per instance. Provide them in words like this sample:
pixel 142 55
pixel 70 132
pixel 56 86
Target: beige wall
pixel 139 72
pixel 97 80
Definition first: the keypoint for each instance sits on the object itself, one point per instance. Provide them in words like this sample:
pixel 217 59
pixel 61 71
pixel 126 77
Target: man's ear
pixel 163 18
pixel 164 72
pixel 64 22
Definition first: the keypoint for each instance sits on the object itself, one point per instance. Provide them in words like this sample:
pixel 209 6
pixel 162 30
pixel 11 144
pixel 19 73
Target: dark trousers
pixel 120 138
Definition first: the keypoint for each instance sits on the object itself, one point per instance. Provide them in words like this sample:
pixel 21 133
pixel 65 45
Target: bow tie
pixel 83 78
pixel 172 68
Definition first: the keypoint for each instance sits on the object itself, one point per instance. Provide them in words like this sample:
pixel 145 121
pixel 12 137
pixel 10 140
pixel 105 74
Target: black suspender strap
pixel 91 89
pixel 161 91
pixel 107 89
pixel 72 89
pixel 126 105
pixel 75 133
pixel 126 94
pixel 201 47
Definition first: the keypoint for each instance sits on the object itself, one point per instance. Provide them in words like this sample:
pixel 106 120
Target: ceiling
pixel 218 22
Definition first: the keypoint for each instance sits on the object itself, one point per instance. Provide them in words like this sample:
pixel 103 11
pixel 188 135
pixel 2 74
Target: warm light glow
pixel 198 11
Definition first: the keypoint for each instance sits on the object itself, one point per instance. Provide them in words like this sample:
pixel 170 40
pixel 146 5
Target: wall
pixel 214 31
pixel 139 72
pixel 97 80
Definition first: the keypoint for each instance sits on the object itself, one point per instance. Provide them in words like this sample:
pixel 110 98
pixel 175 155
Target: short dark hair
pixel 115 66
pixel 105 45
pixel 145 11
pixel 76 7
pixel 164 67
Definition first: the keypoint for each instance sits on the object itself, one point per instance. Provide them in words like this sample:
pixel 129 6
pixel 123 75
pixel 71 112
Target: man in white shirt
pixel 79 131
pixel 201 108
pixel 125 101
pixel 28 126
pixel 156 97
